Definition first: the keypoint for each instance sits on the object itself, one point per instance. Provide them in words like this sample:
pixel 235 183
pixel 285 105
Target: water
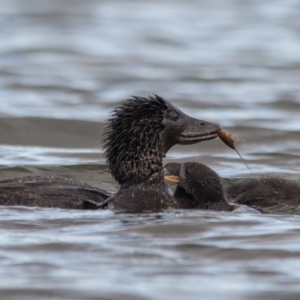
pixel 64 65
pixel 56 254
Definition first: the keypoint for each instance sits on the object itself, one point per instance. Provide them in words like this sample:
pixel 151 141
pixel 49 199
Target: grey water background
pixel 64 65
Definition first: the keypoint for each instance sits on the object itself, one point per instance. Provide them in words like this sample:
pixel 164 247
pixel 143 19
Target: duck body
pixel 48 192
pixel 143 198
pixel 198 187
pixel 267 194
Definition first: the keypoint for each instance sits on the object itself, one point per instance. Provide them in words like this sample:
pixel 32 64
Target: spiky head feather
pixel 132 143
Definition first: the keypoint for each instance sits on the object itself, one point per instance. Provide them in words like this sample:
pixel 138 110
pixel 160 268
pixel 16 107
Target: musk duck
pixel 198 186
pixel 138 135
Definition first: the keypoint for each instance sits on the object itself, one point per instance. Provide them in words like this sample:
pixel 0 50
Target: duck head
pixel 181 129
pixel 141 131
pixel 200 182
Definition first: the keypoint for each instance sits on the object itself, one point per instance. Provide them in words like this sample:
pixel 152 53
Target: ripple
pixel 154 248
pixel 66 64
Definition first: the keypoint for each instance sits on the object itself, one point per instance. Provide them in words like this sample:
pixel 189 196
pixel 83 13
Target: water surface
pixel 64 65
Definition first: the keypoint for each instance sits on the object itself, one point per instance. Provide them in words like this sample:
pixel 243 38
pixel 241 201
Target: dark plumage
pixel 198 186
pixel 132 144
pixel 48 192
pixel 267 194
pixel 137 137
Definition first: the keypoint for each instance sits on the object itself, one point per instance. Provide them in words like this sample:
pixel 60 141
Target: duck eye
pixel 173 115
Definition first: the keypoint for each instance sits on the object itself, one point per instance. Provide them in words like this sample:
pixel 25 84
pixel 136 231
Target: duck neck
pixel 142 169
pixel 140 161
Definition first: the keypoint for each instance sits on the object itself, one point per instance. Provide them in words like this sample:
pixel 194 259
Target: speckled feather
pixel 132 140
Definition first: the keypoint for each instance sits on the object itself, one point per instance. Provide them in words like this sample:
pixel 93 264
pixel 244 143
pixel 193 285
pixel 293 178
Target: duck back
pixel 267 194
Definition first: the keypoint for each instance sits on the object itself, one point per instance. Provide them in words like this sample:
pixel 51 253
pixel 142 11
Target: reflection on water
pixel 65 64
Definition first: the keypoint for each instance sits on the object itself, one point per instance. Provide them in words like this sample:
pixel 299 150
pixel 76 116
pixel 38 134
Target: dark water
pixel 64 65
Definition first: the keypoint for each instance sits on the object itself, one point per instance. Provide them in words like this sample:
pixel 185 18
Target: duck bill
pixel 198 131
pixel 172 179
pixel 174 169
